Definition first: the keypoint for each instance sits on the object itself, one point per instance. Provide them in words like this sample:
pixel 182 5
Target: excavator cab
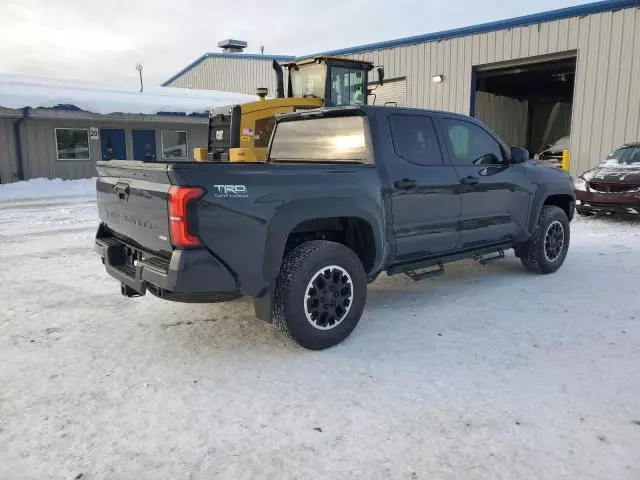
pixel 337 81
pixel 241 133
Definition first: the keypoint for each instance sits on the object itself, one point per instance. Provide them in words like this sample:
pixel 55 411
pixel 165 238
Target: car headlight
pixel 580 184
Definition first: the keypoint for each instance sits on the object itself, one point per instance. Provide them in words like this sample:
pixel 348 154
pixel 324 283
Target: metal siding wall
pixel 606 108
pixel 228 74
pixel 391 91
pixel 39 144
pixel 8 167
pixel 506 116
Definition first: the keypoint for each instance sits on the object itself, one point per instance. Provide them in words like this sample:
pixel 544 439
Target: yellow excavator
pixel 240 133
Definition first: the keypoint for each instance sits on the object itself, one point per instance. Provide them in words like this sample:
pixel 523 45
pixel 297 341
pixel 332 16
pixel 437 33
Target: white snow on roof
pixel 17 91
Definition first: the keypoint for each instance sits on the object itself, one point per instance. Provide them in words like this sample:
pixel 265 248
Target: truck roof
pixel 357 110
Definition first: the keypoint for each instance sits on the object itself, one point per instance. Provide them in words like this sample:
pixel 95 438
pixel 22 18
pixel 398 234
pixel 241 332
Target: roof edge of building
pixel 532 19
pixel 252 56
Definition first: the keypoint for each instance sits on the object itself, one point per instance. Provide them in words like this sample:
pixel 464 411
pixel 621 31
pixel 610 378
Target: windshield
pixel 624 157
pixel 334 139
pixel 308 80
pixel 347 86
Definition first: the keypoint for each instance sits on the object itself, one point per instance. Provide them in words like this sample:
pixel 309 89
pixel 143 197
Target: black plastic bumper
pixel 187 276
pixel 612 208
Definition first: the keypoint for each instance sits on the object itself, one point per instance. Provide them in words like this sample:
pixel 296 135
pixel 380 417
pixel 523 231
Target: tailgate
pixel 132 201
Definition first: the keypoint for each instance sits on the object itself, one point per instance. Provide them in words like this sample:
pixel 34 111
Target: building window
pixel 73 144
pixel 174 144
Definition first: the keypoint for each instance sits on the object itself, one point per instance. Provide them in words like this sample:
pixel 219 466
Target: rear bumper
pixel 187 276
pixel 608 202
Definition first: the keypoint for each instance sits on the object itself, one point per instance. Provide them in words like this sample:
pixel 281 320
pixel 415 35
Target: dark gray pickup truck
pixel 345 194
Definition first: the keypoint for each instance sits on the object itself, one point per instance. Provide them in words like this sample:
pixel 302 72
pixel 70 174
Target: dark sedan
pixel 612 186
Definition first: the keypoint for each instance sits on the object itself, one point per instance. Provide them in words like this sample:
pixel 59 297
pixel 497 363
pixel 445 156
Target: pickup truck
pixel 345 194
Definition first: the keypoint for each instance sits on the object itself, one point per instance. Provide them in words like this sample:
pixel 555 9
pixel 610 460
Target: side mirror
pixel 519 154
pixel 380 75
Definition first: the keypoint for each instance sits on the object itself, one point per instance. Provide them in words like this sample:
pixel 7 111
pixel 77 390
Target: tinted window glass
pixel 414 139
pixel 335 139
pixel 174 144
pixel 471 145
pixel 72 143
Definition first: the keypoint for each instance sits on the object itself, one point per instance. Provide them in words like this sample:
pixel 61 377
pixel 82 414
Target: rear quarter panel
pixel 250 209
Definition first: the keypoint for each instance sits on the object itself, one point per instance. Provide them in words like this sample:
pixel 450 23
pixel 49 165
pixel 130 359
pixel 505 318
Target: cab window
pixel 414 139
pixel 470 144
pixel 347 86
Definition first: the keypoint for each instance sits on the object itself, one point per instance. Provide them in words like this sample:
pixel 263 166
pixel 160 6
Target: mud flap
pixel 263 305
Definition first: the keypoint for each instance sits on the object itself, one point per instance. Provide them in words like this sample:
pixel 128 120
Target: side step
pixel 414 269
pixel 416 277
pixel 483 260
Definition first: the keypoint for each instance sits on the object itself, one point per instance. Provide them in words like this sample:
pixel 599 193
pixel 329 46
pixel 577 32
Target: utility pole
pixel 139 69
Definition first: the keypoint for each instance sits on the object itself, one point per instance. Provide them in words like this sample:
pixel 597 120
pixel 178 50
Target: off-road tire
pixel 532 253
pixel 299 267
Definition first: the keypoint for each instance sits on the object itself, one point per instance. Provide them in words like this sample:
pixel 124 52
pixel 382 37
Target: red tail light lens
pixel 179 198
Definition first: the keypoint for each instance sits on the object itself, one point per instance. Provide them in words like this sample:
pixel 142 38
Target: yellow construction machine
pixel 240 133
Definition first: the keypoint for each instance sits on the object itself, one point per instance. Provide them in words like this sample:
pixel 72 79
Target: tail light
pixel 178 202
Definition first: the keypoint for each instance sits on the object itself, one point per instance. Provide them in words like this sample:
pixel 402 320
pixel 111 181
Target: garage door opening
pixel 528 105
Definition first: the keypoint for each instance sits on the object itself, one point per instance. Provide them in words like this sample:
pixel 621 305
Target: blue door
pixel 144 145
pixel 113 144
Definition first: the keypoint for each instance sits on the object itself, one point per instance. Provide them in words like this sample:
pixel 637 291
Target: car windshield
pixel 333 139
pixel 625 157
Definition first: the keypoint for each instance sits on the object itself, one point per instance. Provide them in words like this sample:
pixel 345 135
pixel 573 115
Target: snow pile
pixel 46 188
pixel 17 91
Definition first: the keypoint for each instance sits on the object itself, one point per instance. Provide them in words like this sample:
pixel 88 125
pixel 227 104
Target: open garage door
pixel 528 104
pixel 392 92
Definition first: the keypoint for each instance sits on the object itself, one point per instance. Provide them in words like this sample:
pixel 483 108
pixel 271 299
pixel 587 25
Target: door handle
pixel 405 184
pixel 469 181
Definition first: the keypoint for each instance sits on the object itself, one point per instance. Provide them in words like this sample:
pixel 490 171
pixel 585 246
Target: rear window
pixel 333 139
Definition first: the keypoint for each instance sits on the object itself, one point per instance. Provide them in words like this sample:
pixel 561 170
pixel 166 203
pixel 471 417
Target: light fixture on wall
pixel 437 78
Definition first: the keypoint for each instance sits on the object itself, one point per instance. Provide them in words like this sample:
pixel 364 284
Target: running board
pixel 483 260
pixel 416 277
pixel 483 255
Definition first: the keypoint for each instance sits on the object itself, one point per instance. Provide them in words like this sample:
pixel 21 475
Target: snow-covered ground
pixel 485 373
pixel 46 188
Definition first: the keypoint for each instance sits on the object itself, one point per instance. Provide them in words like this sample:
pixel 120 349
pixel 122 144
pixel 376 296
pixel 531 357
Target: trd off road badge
pixel 230 191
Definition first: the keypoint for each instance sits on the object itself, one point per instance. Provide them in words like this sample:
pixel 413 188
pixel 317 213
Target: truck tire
pixel 547 247
pixel 320 294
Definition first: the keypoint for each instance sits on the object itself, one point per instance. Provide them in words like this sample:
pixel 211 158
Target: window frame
pixel 186 138
pixel 449 144
pixel 55 133
pixel 434 124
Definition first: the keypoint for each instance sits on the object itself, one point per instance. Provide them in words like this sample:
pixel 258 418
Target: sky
pixel 102 41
